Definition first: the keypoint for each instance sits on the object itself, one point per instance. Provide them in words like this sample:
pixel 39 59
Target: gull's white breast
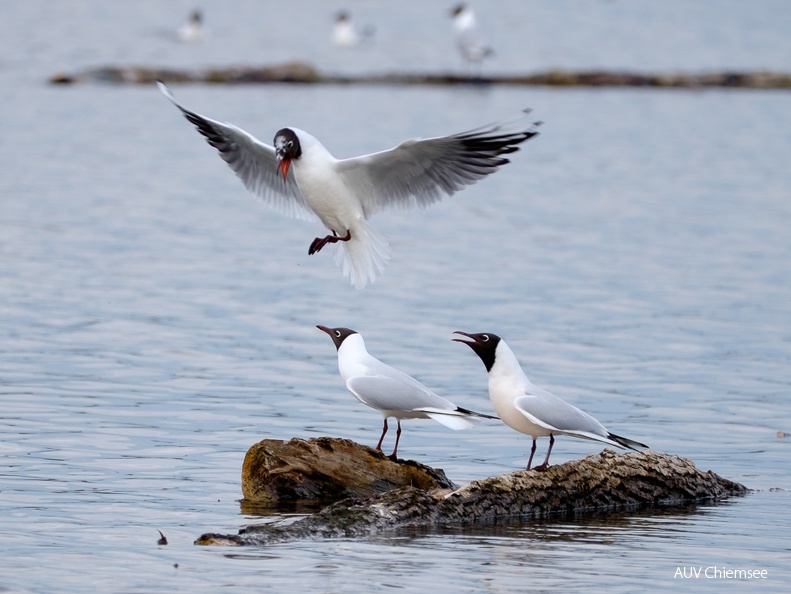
pixel 323 189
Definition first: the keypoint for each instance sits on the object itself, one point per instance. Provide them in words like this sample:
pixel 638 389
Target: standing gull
pixel 346 34
pixel 525 407
pixel 469 39
pixel 390 391
pixel 299 177
pixel 192 30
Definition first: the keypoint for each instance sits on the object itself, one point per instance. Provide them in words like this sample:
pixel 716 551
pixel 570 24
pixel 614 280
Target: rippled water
pixel 156 320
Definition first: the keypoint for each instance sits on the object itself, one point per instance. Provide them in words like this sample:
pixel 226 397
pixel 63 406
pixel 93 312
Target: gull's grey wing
pixel 420 172
pixel 387 393
pixel 253 162
pixel 549 411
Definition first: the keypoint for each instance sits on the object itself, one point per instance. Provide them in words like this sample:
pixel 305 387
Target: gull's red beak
pixel 283 165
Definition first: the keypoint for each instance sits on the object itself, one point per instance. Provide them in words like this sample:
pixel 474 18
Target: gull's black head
pixel 287 148
pixel 338 335
pixel 484 345
pixel 457 10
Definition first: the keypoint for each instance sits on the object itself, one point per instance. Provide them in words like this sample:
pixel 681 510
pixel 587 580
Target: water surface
pixel 157 320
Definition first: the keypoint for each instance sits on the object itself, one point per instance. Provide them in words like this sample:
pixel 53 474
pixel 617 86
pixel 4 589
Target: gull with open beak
pixel 300 177
pixel 525 407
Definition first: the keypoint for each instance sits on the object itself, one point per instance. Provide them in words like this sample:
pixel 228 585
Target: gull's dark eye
pixel 290 143
pixel 485 338
pixel 338 333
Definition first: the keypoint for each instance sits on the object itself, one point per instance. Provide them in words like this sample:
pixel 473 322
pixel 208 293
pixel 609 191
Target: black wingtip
pixel 467 411
pixel 626 442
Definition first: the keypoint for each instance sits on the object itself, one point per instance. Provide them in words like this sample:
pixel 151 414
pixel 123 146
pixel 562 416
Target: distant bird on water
pixel 299 177
pixel 525 407
pixel 346 34
pixel 192 30
pixel 390 391
pixel 469 39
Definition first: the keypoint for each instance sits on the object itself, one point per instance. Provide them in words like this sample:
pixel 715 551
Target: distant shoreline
pixel 305 73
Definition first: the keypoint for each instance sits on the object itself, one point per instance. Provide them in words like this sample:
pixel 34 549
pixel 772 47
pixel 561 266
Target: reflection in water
pixel 280 509
pixel 621 550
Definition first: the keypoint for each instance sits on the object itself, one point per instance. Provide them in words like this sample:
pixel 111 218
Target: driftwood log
pixel 599 482
pixel 305 73
pixel 327 469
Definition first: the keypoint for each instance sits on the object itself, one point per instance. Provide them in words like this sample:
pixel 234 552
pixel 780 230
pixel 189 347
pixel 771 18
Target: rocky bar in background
pixel 605 482
pixel 305 73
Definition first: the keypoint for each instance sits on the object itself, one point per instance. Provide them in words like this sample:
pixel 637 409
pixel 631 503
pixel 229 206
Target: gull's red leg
pixel 320 242
pixel 545 465
pixel 394 455
pixel 381 439
pixel 532 451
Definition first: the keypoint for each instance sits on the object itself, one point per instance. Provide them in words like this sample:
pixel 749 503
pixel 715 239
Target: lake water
pixel 157 320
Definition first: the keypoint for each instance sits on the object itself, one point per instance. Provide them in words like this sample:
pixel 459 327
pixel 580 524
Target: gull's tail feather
pixel 364 255
pixel 453 421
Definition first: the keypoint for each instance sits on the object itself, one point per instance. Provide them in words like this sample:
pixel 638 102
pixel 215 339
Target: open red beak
pixel 283 165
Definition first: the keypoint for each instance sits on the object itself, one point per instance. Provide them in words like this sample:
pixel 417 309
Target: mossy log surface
pixel 600 482
pixel 306 73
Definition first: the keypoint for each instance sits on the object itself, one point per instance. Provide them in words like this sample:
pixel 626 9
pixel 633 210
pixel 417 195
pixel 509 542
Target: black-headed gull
pixel 390 391
pixel 469 39
pixel 192 30
pixel 346 34
pixel 525 407
pixel 299 177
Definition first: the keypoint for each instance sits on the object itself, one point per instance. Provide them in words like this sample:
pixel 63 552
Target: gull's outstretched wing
pixel 253 162
pixel 420 172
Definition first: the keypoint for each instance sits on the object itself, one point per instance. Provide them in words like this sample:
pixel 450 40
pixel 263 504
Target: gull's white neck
pixel 352 357
pixel 464 20
pixel 506 378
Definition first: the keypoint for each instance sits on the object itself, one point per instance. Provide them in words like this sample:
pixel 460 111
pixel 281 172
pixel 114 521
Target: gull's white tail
pixel 453 421
pixel 364 255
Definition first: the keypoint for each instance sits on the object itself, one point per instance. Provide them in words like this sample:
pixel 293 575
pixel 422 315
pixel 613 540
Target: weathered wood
pixel 599 482
pixel 305 73
pixel 327 469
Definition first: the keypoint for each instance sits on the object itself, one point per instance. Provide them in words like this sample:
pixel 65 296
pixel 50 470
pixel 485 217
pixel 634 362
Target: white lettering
pixel 714 572
pixel 687 572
